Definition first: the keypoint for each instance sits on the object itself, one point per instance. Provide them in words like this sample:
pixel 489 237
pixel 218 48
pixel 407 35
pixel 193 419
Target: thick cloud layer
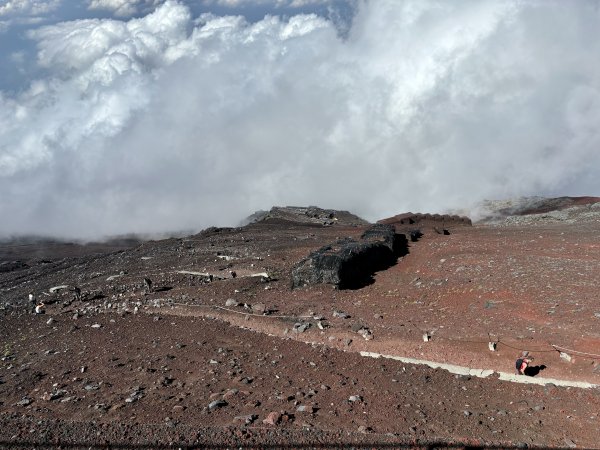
pixel 170 121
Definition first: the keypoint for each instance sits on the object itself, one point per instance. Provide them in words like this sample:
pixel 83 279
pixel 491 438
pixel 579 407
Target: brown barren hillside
pixel 217 350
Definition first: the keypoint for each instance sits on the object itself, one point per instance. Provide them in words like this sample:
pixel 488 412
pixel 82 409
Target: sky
pixel 152 116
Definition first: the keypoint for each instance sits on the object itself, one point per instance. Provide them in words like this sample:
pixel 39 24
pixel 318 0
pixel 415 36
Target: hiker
pixel 32 301
pixel 77 293
pixel 522 363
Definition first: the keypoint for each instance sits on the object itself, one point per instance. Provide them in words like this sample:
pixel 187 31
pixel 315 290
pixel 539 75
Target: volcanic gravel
pixel 121 366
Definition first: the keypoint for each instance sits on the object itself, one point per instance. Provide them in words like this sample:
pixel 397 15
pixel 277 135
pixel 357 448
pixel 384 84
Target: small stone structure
pixel 350 264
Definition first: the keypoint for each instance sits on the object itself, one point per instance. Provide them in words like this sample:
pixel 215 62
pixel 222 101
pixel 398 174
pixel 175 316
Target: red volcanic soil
pixel 177 367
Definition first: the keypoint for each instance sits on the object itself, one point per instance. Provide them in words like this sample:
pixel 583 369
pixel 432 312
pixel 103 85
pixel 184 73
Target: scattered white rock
pixel 216 404
pixel 301 327
pixel 54 289
pixel 565 356
pixel 114 277
pixel 24 402
pixel 366 333
pixel 231 302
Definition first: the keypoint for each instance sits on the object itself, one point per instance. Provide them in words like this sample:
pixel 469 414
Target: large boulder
pixel 350 264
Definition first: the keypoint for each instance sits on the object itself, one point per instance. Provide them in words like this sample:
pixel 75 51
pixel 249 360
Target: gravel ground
pixel 123 367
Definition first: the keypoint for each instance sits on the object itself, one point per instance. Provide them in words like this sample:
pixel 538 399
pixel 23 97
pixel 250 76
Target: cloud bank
pixel 170 121
pixel 25 11
pixel 123 8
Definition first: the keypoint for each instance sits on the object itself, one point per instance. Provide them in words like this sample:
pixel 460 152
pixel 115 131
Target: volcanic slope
pixel 219 350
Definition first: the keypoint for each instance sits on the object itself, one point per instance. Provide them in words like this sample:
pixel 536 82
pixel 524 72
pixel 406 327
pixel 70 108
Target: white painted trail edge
pixel 484 373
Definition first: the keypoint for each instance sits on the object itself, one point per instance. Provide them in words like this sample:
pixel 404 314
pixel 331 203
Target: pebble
pixel 246 380
pixel 259 308
pixel 24 402
pixel 96 325
pixel 217 404
pixel 137 393
pixel 569 443
pixel 565 356
pixel 273 418
pixel 366 333
pixel 306 408
pixel 355 398
pixel 246 419
pixel 356 327
pixel 55 395
pixel 301 327
pixel 341 315
pixel 230 393
pixel 231 302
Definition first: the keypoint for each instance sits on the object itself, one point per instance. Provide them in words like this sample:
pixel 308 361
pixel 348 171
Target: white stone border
pixel 484 373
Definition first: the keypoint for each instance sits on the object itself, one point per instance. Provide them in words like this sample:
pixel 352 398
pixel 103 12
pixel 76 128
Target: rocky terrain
pixel 206 341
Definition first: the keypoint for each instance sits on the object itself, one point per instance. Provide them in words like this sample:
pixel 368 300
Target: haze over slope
pixel 170 120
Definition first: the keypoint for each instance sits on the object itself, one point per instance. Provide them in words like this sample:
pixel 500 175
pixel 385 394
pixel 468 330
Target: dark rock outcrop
pixel 417 222
pixel 350 264
pixel 312 215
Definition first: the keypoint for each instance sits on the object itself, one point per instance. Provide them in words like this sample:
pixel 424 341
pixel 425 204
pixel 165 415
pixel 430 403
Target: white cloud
pixel 28 7
pixel 168 122
pixel 124 8
pixel 271 3
pixel 25 12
